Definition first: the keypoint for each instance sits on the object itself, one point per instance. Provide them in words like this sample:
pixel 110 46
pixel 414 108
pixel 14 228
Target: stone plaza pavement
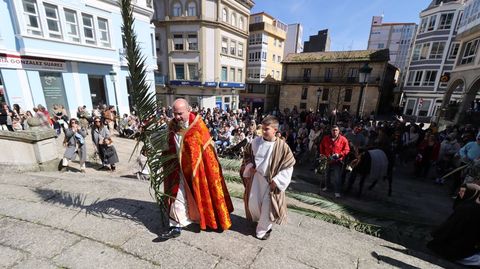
pixel 110 220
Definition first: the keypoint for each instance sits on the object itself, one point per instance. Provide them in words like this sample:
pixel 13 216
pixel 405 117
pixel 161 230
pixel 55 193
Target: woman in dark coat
pixel 110 156
pixel 458 238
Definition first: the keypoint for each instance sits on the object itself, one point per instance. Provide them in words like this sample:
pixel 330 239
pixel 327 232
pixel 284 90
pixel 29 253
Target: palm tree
pixel 153 137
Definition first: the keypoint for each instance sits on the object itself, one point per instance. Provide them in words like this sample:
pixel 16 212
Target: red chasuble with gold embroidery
pixel 208 200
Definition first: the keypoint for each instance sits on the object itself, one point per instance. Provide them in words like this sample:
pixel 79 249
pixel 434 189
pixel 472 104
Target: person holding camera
pixel 335 147
pixel 75 143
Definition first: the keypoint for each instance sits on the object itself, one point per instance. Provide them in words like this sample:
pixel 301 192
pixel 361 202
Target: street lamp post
pixel 319 93
pixel 363 76
pixel 113 78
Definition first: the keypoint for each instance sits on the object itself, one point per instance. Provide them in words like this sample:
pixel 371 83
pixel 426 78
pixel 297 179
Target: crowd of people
pixel 101 122
pixel 427 152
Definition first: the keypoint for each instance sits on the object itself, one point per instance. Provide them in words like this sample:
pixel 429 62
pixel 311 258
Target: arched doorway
pixel 470 106
pixel 450 106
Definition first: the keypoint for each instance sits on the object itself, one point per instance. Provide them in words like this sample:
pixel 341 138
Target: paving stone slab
pixel 225 264
pixel 88 191
pixel 25 180
pixel 18 192
pixel 223 245
pixel 111 231
pixel 25 210
pixel 37 263
pixel 170 254
pixel 35 239
pixel 89 254
pixel 10 256
pixel 268 258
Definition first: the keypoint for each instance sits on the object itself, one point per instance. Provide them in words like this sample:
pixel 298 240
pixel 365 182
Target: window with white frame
pixel 280 43
pixel 470 52
pixel 88 29
pixel 241 23
pixel 224 45
pixel 424 108
pixel 453 51
pixel 263 72
pixel 30 12
pixel 425 50
pixel 233 48
pixel 104 32
pixel 233 19
pixel 224 15
pixel 251 39
pixel 192 9
pixel 264 56
pixel 265 39
pixel 179 71
pixel 277 75
pixel 178 42
pixel 192 42
pixel 177 9
pixel 430 78
pixel 239 75
pixel 418 78
pixel 445 21
pixel 423 25
pixel 224 73
pixel 431 23
pixel 274 42
pixel 437 50
pixel 53 21
pixel 459 19
pixel 273 58
pixel 411 76
pixel 72 25
pixel 279 58
pixel 416 52
pixel 240 50
pixel 232 74
pixel 193 71
pixel 410 107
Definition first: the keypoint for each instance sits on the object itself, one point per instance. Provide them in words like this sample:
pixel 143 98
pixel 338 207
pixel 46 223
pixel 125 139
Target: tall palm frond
pixel 153 136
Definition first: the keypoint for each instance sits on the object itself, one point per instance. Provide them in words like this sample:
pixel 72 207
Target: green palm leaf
pixel 152 136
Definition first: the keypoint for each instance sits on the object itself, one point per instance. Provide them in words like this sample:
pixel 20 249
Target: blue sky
pixel 348 21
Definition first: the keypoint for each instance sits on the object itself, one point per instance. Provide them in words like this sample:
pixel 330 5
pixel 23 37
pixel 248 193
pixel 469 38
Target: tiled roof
pixel 339 56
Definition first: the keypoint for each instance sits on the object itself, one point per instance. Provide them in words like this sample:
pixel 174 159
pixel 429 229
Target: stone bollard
pixel 29 150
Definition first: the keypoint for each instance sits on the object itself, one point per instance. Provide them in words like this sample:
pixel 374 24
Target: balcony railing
pixel 323 79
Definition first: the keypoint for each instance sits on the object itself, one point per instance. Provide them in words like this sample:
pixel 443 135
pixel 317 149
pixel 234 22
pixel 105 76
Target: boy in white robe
pixel 267 170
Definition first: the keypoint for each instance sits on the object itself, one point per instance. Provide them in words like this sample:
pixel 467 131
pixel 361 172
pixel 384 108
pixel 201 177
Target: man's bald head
pixel 181 110
pixel 180 102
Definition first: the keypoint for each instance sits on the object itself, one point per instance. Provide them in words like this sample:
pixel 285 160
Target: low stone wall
pixel 29 150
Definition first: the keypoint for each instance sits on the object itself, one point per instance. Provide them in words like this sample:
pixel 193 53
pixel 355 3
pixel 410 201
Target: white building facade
pixel 397 37
pixel 201 48
pixel 461 102
pixel 432 59
pixel 69 53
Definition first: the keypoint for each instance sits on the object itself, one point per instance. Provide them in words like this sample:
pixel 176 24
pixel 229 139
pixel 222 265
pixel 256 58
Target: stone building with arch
pixel 461 101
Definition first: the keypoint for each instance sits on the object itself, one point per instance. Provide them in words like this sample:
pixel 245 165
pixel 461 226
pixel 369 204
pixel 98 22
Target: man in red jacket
pixel 335 148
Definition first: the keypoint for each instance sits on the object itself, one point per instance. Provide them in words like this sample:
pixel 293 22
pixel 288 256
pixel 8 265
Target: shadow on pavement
pixel 145 213
pixel 432 257
pixel 393 262
pixel 141 212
